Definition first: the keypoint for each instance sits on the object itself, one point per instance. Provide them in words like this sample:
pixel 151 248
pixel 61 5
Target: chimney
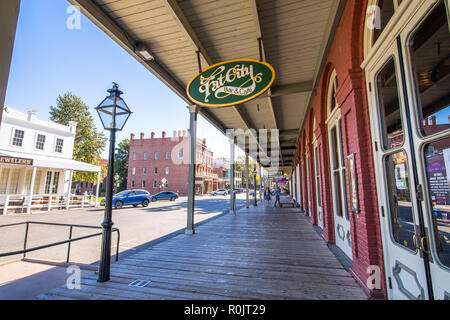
pixel 174 134
pixel 163 134
pixel 153 135
pixel 184 133
pixel 448 119
pixel 142 136
pixel 72 126
pixel 432 121
pixel 204 142
pixel 31 114
pixel 132 136
pixel 425 122
pixel 180 133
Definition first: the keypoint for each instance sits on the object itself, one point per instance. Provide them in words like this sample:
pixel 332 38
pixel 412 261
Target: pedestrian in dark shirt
pixel 277 197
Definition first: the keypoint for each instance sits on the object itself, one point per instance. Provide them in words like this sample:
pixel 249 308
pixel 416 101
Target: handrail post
pixel 118 243
pixel 25 240
pixel 69 244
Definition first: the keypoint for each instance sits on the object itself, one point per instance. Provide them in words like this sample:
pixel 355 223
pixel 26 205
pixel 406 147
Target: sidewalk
pixel 261 253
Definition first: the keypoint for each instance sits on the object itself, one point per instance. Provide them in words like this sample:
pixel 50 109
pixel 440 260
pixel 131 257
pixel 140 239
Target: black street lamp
pixel 113 113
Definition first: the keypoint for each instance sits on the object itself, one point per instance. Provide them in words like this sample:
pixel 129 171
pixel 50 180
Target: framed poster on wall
pixel 353 181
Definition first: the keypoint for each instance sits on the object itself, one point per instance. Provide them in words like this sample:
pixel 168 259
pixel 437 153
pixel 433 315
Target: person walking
pixel 267 196
pixel 277 197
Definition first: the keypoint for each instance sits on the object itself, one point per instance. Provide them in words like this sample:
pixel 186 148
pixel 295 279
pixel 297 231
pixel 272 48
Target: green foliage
pixel 89 143
pixel 121 158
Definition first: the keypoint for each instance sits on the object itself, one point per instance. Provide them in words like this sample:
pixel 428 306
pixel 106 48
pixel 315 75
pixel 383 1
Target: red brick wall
pixel 346 56
pixel 178 168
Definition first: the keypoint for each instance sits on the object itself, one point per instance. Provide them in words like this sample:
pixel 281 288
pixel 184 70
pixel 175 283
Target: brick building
pixel 82 187
pixel 154 159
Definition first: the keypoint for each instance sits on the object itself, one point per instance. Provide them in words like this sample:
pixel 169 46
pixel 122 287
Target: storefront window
pixel 437 158
pixel 430 55
pixel 390 106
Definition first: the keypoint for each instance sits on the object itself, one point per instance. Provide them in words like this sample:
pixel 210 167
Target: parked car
pixel 166 195
pixel 130 197
pixel 220 192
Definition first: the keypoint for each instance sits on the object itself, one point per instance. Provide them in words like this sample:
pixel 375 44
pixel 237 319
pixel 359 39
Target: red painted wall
pixel 345 57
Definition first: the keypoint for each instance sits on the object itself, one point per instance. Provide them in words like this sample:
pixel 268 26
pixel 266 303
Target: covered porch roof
pixel 51 162
pixel 295 39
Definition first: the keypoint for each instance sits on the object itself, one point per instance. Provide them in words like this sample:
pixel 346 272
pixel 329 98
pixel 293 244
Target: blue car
pixel 131 197
pixel 167 195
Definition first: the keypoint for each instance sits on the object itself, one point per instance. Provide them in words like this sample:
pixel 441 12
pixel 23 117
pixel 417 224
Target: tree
pixel 121 158
pixel 89 143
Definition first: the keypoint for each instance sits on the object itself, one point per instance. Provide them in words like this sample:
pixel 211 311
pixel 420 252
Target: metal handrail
pixel 69 242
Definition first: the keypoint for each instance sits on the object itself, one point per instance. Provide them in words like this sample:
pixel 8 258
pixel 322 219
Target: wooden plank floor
pixel 258 254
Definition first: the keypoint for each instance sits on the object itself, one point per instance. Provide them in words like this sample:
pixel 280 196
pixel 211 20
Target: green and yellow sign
pixel 230 83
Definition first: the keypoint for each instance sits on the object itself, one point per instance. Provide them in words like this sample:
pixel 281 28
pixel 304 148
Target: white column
pixel 69 190
pixel 260 184
pixel 247 180
pixel 97 191
pixel 232 195
pixel 30 200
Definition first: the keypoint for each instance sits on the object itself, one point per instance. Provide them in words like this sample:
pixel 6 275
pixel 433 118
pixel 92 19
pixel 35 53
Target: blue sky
pixel 50 59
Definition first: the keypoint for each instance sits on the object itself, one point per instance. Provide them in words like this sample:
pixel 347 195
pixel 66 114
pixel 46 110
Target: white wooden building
pixel 36 163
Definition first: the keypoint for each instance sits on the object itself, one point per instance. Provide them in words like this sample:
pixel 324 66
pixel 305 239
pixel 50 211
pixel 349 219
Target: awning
pixel 53 162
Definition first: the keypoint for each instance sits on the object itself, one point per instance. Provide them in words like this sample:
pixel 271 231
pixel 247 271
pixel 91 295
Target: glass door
pixel 339 186
pixel 426 46
pixel 410 115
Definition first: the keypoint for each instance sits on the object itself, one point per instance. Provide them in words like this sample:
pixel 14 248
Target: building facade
pixel 161 164
pixel 372 165
pixel 86 187
pixel 35 160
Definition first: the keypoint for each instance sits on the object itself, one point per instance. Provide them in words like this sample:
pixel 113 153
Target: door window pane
pixel 387 10
pixel 334 148
pixel 437 159
pixel 337 183
pixel 430 55
pixel 48 182
pixel 390 106
pixel 401 211
pixel 316 156
pixel 55 183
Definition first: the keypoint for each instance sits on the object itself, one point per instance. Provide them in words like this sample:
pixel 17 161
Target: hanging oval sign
pixel 230 83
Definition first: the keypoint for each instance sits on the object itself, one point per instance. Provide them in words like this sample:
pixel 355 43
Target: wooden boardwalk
pixel 270 254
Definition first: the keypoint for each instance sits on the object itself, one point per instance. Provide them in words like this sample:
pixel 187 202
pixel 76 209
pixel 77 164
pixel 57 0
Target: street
pixel 137 227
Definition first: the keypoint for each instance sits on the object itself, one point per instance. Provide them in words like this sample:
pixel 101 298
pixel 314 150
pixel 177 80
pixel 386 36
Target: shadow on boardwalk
pixel 261 253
